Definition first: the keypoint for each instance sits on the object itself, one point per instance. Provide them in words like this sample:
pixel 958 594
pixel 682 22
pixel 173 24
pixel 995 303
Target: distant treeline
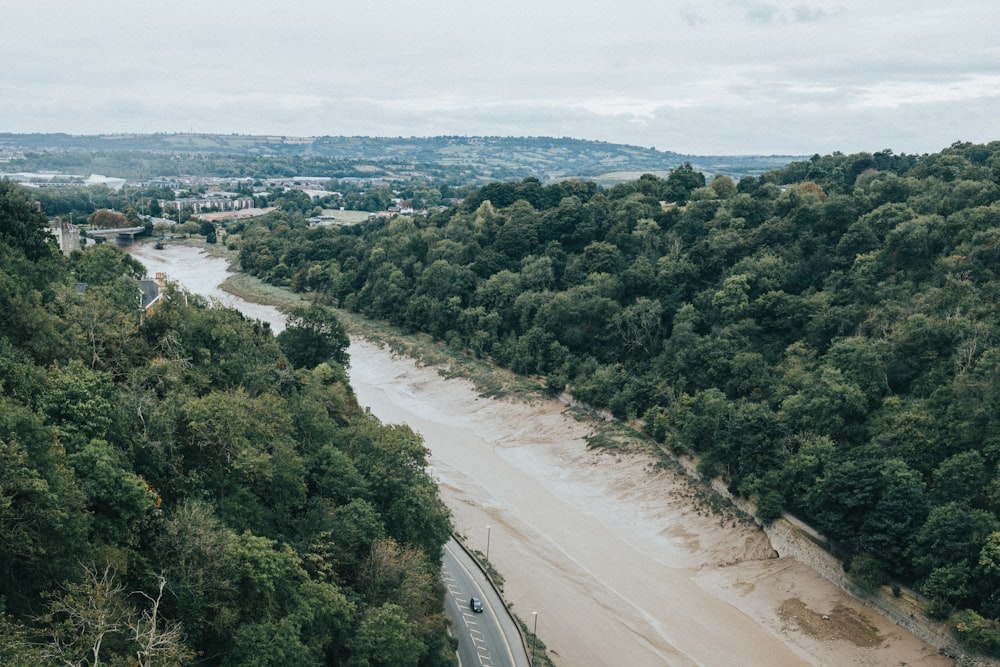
pixel 182 487
pixel 824 337
pixel 452 160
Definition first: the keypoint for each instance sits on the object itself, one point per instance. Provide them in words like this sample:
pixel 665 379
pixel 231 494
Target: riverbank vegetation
pixel 179 486
pixel 823 337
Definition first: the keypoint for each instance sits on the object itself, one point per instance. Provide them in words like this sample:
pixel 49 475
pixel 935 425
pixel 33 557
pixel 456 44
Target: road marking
pixel 470 618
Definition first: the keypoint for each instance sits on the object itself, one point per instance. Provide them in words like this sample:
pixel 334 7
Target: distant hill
pixel 454 158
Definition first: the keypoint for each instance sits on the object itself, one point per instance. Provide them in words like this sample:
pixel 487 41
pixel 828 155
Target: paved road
pixel 487 639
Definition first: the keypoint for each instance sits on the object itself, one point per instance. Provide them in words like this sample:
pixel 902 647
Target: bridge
pixel 120 233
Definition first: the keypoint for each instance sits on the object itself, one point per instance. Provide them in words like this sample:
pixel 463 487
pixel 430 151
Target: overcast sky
pixel 699 77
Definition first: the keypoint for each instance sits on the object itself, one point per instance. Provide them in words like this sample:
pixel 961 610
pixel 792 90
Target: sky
pixel 712 77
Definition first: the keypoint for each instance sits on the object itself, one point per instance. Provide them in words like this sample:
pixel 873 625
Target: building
pixel 67 235
pixel 151 294
pixel 207 204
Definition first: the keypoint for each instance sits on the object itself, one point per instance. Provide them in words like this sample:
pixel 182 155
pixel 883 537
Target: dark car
pixel 476 605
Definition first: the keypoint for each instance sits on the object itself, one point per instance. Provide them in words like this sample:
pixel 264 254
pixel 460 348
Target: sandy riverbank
pixel 612 551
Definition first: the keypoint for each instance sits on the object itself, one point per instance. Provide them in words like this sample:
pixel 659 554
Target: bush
pixel 866 570
pixel 978 633
pixel 769 505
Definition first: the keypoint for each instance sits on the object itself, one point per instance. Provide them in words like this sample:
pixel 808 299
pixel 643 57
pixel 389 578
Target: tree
pixel 22 225
pixel 79 620
pixel 897 516
pixel 640 325
pixel 104 264
pixel 274 643
pixel 192 545
pixel 945 587
pixel 16 647
pixel 518 236
pixel 386 638
pixel 843 496
pixel 723 186
pixel 119 500
pixel 43 518
pixel 241 448
pixel 681 181
pixel 393 460
pixel 102 218
pixel 314 335
pixel 961 477
pixel 159 642
pixel 264 578
pixel 78 401
pixel 952 536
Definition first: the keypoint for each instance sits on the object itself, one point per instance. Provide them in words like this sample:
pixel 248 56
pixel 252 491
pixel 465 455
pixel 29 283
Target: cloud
pixel 799 76
pixel 761 13
pixel 692 16
pixel 805 14
pixel 893 94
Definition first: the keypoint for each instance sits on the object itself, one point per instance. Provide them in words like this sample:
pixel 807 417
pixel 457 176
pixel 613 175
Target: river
pixel 613 553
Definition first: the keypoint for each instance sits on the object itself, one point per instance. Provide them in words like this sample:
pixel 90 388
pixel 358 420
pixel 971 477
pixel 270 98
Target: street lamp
pixel 487 544
pixel 534 638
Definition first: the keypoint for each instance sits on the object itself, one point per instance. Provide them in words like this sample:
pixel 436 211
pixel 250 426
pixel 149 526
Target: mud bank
pixel 613 552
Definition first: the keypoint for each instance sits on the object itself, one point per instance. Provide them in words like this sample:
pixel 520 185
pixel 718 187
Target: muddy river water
pixel 612 552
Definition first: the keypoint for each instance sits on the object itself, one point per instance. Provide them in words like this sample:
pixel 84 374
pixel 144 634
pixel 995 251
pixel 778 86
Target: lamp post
pixel 487 544
pixel 534 637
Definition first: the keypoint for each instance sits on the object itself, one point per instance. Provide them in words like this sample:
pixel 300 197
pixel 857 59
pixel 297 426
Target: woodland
pixel 181 486
pixel 824 337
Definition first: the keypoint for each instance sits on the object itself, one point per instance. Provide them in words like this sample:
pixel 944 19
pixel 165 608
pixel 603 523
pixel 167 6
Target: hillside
pixel 457 160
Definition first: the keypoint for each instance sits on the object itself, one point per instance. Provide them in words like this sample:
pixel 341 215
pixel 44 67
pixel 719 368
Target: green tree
pixel 952 536
pixel 192 545
pixel 119 500
pixel 681 181
pixel 273 643
pixel 242 449
pixel 961 477
pixel 893 523
pixel 22 225
pixel 314 335
pixel 386 638
pixel 393 460
pixel 104 264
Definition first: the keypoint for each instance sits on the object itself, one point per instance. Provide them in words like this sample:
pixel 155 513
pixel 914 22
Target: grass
pixel 490 380
pixel 615 435
pixel 346 217
pixel 256 290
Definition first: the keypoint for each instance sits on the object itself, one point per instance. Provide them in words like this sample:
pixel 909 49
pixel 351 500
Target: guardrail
pixel 496 589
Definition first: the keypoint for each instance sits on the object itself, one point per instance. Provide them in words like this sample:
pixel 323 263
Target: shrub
pixel 980 634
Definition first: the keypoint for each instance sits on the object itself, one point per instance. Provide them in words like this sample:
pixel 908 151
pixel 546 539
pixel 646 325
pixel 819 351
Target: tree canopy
pixel 181 487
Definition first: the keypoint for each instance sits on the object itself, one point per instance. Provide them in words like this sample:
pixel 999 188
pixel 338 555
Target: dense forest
pixel 181 486
pixel 824 337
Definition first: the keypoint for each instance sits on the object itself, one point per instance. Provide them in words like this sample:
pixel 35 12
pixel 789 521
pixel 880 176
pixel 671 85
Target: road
pixel 487 639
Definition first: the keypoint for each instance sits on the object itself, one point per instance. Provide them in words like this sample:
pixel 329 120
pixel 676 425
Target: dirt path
pixel 612 552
